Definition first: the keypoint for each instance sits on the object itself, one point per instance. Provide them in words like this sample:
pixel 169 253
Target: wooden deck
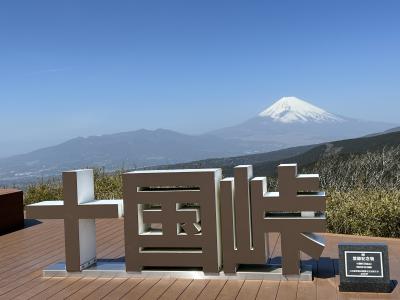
pixel 23 255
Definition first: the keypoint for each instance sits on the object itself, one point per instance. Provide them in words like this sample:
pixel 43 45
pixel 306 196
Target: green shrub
pixel 44 190
pixel 364 212
pixel 371 170
pixel 107 186
pixel 363 191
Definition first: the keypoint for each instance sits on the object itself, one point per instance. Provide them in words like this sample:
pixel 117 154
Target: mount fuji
pixel 292 110
pixel 291 121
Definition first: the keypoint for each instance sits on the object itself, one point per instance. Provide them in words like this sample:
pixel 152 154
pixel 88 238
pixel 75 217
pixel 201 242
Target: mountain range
pixel 292 122
pixel 287 123
pixel 264 164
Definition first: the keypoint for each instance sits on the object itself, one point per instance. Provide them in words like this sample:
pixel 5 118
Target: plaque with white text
pixel 364 268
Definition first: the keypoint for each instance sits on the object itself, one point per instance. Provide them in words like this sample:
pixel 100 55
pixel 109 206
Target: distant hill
pixel 227 162
pixel 392 130
pixel 290 123
pixel 128 150
pixel 265 164
pixel 396 129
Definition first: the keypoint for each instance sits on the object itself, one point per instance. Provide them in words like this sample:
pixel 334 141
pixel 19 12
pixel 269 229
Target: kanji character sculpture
pixel 172 219
pixel 236 222
pixel 247 218
pixel 79 211
pixel 281 212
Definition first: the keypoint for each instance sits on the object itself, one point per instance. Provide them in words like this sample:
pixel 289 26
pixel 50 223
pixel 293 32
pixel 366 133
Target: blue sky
pixel 78 68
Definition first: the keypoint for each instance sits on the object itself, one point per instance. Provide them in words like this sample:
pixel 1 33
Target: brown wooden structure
pixel 11 210
pixel 24 253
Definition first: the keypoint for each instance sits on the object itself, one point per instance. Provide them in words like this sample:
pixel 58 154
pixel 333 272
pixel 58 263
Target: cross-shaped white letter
pixel 79 211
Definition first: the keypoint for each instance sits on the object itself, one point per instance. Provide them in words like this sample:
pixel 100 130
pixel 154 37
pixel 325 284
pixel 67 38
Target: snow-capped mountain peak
pixel 292 109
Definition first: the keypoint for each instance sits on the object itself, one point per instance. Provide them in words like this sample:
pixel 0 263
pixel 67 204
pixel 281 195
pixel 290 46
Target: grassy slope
pixel 361 177
pixel 265 164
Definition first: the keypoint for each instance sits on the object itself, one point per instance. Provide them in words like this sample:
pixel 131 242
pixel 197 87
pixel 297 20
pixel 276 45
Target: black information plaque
pixel 364 268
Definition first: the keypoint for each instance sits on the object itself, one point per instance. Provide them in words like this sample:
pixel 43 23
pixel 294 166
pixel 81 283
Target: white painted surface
pixel 87 240
pixel 117 270
pixel 292 109
pixel 85 185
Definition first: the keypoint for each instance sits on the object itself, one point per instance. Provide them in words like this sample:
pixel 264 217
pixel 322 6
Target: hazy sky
pixel 78 68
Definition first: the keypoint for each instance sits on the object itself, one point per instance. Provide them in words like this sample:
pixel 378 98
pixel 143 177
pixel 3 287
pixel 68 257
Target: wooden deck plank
pixel 287 290
pixel 54 289
pixel 212 289
pixel 21 252
pixel 249 290
pixel 123 289
pixel 55 236
pixel 139 290
pixel 158 289
pixel 71 289
pixel 106 289
pixel 15 241
pixel 88 288
pixel 325 280
pixel 268 290
pixel 23 255
pixel 38 253
pixel 176 289
pixel 35 263
pixel 15 293
pixel 306 291
pixel 26 234
pixel 19 280
pixel 194 289
pixel 42 261
pixel 16 280
pixel 230 290
pixel 40 287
